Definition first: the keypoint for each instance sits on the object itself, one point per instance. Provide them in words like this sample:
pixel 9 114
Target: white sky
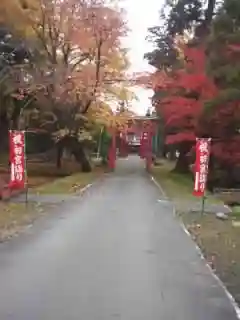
pixel 141 15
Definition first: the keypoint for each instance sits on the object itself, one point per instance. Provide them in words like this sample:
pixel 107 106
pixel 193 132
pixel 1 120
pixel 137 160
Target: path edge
pixel 159 187
pixel 233 302
pixel 82 190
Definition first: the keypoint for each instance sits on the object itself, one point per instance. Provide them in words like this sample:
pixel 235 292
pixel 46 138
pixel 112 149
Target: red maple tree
pixel 183 108
pixel 186 90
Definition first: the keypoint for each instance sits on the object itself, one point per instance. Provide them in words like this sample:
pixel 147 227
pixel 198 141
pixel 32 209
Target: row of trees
pixel 61 62
pixel 197 82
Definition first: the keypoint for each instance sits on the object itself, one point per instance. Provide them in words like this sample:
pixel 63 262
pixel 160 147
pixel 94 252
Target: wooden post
pixel 112 150
pixel 25 170
pixel 100 143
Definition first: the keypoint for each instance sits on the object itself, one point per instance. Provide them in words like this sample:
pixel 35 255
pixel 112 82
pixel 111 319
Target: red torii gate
pixel 148 131
pixel 145 126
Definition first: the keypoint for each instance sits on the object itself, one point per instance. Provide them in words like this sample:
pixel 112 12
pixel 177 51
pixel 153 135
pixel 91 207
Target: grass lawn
pixel 177 187
pixel 69 184
pixel 46 178
pixel 219 240
pixel 174 184
pixel 14 217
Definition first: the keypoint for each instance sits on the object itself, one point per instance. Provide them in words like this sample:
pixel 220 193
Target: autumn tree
pixel 13 54
pixel 75 44
pixel 77 41
pixel 178 81
pixel 180 102
pixel 197 90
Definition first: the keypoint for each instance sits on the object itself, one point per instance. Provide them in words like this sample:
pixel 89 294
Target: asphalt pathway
pixel 116 253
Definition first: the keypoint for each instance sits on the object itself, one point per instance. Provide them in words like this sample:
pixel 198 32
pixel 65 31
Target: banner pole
pixel 25 171
pixel 99 143
pixel 203 204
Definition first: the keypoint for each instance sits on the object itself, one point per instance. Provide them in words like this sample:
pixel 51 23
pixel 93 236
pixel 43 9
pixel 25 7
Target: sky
pixel 140 15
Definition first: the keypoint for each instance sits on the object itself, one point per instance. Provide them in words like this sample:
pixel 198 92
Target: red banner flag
pixel 17 159
pixel 201 166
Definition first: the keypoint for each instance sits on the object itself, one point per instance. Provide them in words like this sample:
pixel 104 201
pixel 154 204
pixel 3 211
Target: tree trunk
pixel 76 148
pixel 164 151
pixel 182 164
pixel 172 154
pixel 4 127
pixel 209 12
pixel 59 155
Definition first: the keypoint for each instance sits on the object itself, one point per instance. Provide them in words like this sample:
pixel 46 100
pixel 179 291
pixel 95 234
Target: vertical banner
pixel 100 143
pixel 201 166
pixel 17 159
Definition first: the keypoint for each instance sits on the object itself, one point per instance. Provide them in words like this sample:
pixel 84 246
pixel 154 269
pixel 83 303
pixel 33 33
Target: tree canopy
pixel 61 64
pixel 196 82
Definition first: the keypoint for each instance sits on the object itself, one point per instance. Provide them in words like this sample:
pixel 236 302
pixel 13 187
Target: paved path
pixel 117 253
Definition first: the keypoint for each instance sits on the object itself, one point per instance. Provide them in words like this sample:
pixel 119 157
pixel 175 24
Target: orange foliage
pixel 78 40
